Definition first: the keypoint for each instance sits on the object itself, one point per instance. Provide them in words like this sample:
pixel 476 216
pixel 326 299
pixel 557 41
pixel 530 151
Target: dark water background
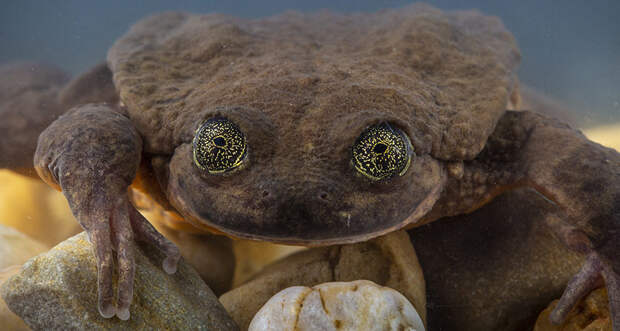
pixel 571 49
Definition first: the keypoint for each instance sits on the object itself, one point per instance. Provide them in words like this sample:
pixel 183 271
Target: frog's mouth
pixel 300 211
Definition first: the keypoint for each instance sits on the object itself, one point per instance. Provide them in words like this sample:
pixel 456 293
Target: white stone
pixel 357 305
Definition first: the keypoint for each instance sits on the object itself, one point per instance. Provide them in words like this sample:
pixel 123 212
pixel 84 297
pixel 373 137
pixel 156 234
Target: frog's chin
pixel 208 225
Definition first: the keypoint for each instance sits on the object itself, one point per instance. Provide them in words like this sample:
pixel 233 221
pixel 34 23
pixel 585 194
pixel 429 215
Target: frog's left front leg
pixel 92 154
pixel 580 177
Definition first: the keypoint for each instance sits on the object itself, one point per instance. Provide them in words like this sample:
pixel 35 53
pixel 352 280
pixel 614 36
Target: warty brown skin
pixel 302 88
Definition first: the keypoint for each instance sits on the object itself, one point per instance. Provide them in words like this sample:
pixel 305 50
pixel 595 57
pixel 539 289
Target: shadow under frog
pixel 496 268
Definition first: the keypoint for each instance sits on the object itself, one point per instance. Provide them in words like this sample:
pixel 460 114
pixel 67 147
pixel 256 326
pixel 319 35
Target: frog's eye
pixel 219 146
pixel 382 152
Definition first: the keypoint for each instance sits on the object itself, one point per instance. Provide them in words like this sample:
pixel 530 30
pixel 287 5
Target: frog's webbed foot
pixel 112 227
pixel 92 153
pixel 594 273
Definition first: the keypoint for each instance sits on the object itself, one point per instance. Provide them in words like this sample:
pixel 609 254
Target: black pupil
pixel 219 141
pixel 379 148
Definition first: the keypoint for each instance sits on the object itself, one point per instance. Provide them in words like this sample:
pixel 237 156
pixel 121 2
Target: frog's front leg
pixel 580 177
pixel 583 179
pixel 92 154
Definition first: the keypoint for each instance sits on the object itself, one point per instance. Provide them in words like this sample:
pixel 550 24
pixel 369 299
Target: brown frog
pixel 319 129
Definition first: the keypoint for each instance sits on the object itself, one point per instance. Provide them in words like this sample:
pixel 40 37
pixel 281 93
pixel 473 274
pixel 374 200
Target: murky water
pixel 570 49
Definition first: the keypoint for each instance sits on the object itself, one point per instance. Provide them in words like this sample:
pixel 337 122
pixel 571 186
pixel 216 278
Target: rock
pixel 591 314
pixel 16 247
pixel 494 269
pixel 388 261
pixel 357 305
pixel 8 319
pixel 252 256
pixel 57 290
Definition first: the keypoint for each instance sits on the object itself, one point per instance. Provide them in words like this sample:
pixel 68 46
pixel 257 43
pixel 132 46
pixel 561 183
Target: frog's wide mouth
pixel 311 238
pixel 300 211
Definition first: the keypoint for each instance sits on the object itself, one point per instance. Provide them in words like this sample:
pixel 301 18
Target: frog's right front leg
pixel 92 154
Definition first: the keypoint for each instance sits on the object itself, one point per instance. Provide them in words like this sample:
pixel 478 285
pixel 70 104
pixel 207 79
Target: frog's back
pixel 448 75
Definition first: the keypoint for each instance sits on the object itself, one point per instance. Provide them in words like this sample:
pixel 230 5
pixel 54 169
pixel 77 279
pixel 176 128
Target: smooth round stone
pixel 357 305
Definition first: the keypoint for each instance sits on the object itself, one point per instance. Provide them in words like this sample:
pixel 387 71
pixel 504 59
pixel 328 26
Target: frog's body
pixel 302 89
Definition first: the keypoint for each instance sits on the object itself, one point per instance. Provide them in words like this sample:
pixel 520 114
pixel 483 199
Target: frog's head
pixel 303 180
pixel 341 126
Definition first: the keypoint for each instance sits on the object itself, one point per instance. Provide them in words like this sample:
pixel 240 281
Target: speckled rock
pixel 494 269
pixel 57 290
pixel 8 319
pixel 16 247
pixel 592 314
pixel 357 305
pixel 388 261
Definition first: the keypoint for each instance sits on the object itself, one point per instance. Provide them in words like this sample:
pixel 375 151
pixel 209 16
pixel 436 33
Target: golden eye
pixel 219 146
pixel 382 152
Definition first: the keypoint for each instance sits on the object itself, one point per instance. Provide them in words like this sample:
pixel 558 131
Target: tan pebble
pixel 388 261
pixel 591 314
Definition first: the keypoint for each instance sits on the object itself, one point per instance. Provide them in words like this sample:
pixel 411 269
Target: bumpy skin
pixel 444 79
pixel 302 88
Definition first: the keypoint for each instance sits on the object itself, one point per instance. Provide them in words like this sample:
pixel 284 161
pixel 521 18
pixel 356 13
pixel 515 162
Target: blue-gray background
pixel 571 49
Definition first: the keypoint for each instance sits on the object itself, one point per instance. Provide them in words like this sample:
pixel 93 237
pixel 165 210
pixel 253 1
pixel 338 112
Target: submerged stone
pixel 591 314
pixel 8 319
pixel 357 305
pixel 388 261
pixel 58 290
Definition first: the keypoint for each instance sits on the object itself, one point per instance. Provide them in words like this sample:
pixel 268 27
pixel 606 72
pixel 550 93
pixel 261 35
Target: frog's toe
pixel 109 230
pixel 99 237
pixel 123 244
pixel 586 280
pixel 612 280
pixel 595 272
pixel 145 232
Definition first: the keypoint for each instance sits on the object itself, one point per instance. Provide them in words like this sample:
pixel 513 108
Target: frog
pixel 317 129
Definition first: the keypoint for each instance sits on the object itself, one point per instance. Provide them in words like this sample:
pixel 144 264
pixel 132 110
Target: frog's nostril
pixel 265 193
pixel 323 196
